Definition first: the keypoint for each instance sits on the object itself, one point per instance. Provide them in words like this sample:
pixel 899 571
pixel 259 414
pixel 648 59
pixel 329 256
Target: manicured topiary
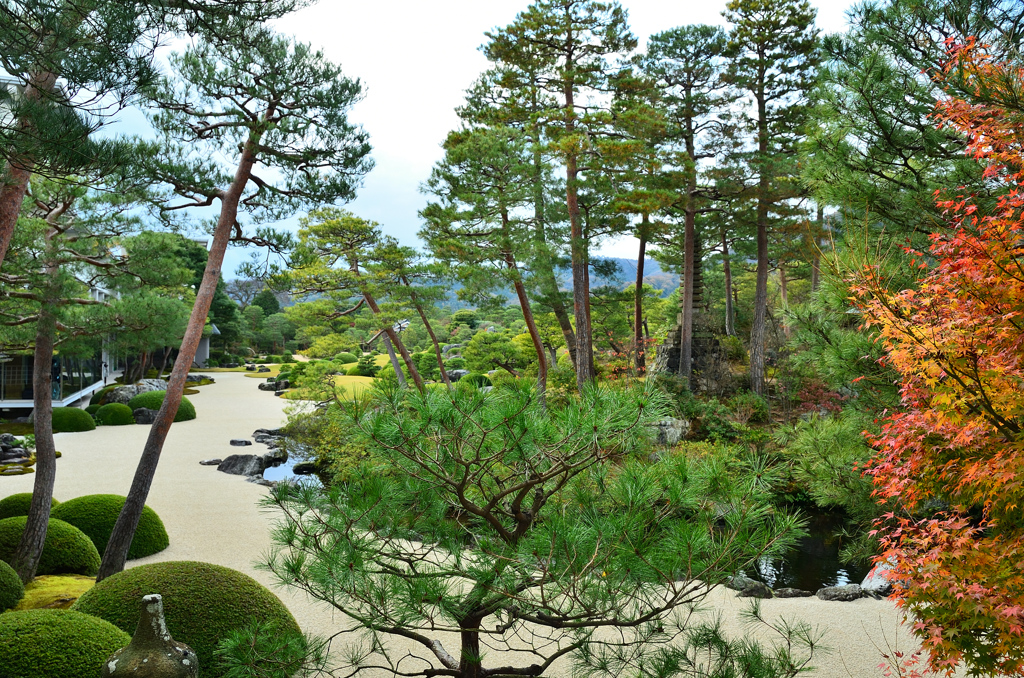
pixel 92 409
pixel 98 396
pixel 11 588
pixel 115 414
pixel 72 420
pixel 17 505
pixel 66 550
pixel 152 400
pixel 95 515
pixel 477 380
pixel 353 371
pixel 204 603
pixel 56 644
pixel 345 358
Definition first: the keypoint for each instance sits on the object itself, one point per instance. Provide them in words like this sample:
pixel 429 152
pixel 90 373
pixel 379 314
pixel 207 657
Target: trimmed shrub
pixel 115 414
pixel 72 420
pixel 17 505
pixel 95 515
pixel 11 588
pixel 456 363
pixel 152 400
pixel 92 409
pixel 57 644
pixel 354 371
pixel 205 603
pixel 66 550
pixel 477 380
pixel 98 396
pixel 346 358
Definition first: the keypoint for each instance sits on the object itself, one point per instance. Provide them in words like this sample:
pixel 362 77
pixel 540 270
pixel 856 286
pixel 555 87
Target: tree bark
pixel 30 547
pixel 531 326
pixel 397 366
pixel 585 371
pixel 730 316
pixel 686 341
pixel 758 330
pixel 433 338
pixel 638 299
pixel 17 174
pixel 816 252
pixel 124 529
pixel 393 336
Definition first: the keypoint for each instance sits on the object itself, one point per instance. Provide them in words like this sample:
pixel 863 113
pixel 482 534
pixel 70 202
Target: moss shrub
pixel 92 409
pixel 72 420
pixel 204 604
pixel 115 414
pixel 11 588
pixel 66 550
pixel 95 515
pixel 477 380
pixel 346 358
pixel 56 644
pixel 17 505
pixel 98 396
pixel 154 399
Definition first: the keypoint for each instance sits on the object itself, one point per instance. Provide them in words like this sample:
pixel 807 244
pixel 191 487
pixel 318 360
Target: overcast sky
pixel 416 59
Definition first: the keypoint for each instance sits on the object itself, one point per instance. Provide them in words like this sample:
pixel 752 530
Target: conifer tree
pixel 268 102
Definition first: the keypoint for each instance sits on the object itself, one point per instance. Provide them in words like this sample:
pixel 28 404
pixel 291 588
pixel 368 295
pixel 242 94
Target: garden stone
pixel 123 394
pixel 262 368
pixel 275 457
pixel 265 386
pixel 240 442
pixel 250 368
pixel 242 465
pixel 793 593
pixel 260 480
pixel 152 652
pixel 449 348
pixel 210 462
pixel 7 439
pixel 841 593
pixel 282 385
pixel 13 453
pixel 304 468
pixel 670 431
pixel 877 584
pixel 276 432
pixel 144 415
pixel 748 588
pixel 455 375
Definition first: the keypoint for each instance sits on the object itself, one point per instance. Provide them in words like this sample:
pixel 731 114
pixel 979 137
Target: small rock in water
pixel 304 468
pixel 240 442
pixel 211 462
pixel 792 593
pixel 841 593
pixel 259 480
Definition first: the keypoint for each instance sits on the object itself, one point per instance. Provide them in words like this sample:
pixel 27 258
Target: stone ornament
pixel 152 652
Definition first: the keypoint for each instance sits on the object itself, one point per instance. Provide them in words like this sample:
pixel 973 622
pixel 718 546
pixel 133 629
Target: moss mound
pixel 17 505
pixel 115 414
pixel 56 644
pixel 93 409
pixel 66 550
pixel 11 588
pixel 54 591
pixel 72 420
pixel 204 603
pixel 98 396
pixel 95 515
pixel 346 358
pixel 478 380
pixel 152 400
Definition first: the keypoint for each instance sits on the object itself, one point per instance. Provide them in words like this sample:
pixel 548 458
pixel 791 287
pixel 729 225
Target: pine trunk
pixel 124 529
pixel 759 328
pixel 433 338
pixel 686 341
pixel 585 371
pixel 816 252
pixel 393 336
pixel 531 326
pixel 638 300
pixel 397 366
pixel 730 315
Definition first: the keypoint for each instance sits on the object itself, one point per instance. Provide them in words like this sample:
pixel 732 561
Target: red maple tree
pixel 952 457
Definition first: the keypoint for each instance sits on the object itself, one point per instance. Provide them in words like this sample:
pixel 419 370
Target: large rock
pixel 878 583
pixel 670 431
pixel 267 386
pixel 455 375
pixel 275 457
pixel 841 593
pixel 7 440
pixel 748 588
pixel 196 378
pixel 144 415
pixel 282 385
pixel 122 394
pixel 240 442
pixel 450 347
pixel 242 465
pixel 792 593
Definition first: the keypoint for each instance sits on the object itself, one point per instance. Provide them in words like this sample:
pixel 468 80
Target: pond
pixel 286 472
pixel 814 562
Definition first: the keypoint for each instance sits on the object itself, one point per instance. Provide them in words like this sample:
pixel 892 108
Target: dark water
pixel 814 562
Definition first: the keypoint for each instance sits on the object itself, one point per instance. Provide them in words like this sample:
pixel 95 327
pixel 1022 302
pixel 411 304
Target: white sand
pixel 214 517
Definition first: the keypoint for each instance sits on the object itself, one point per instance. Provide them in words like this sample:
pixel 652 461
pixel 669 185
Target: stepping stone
pixel 241 442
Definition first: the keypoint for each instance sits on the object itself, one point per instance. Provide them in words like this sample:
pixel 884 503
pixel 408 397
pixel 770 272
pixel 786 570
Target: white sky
pixel 416 59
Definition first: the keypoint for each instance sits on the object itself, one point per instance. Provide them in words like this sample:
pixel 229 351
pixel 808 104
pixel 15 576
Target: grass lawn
pixel 346 386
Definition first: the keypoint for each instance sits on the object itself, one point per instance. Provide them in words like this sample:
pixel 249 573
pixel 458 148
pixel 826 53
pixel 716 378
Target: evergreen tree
pixel 266 101
pixel 774 54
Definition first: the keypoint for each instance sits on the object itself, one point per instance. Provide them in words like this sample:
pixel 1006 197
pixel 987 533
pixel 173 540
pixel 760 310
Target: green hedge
pixel 11 588
pixel 115 414
pixel 346 358
pixel 72 420
pixel 66 550
pixel 203 603
pixel 152 400
pixel 95 515
pixel 93 409
pixel 56 644
pixel 17 505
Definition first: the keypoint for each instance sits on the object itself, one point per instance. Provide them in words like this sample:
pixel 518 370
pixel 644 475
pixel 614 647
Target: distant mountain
pixel 626 275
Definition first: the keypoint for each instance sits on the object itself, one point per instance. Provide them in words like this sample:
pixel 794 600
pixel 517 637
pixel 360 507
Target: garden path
pixel 215 518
